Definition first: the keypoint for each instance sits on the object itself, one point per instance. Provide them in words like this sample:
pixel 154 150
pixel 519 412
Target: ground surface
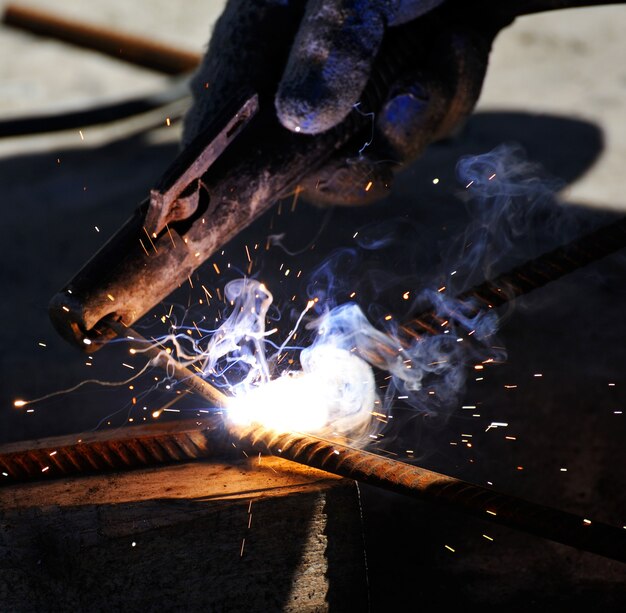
pixel 556 85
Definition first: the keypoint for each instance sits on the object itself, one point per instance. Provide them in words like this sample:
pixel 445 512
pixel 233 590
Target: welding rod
pixel 162 358
pixel 188 443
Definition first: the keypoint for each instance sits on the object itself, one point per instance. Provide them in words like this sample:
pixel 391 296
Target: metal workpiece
pixel 125 449
pixel 416 482
pixel 532 274
pixel 195 439
pixel 189 440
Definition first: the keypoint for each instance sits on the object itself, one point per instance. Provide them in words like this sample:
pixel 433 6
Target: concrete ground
pixel 557 86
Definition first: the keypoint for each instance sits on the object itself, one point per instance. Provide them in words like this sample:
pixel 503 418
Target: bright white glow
pixel 335 390
pixel 287 403
pixel 334 393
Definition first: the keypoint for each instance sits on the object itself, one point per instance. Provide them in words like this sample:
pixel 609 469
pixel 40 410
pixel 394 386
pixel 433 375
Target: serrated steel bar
pixel 124 449
pixel 415 482
pixel 531 275
pixel 178 441
pixel 185 441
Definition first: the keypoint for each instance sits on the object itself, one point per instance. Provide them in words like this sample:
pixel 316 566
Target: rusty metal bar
pixel 527 277
pixel 133 49
pixel 416 482
pixel 121 449
pixel 191 440
pixel 184 441
pixel 128 448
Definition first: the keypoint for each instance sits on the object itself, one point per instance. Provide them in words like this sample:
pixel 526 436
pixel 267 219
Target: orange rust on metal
pixel 417 482
pixel 133 49
pixel 531 275
pixel 138 447
pixel 192 442
pixel 127 448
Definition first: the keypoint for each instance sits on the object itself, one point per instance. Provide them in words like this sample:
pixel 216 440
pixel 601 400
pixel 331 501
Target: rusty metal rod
pixel 123 449
pixel 180 441
pixel 133 49
pixel 416 482
pixel 529 276
pixel 194 440
pixel 134 447
pixel 173 368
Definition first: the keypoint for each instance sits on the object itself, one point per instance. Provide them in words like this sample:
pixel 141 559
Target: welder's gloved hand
pixel 318 57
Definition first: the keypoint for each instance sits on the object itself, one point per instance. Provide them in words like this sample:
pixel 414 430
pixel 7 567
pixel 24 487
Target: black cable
pixel 178 90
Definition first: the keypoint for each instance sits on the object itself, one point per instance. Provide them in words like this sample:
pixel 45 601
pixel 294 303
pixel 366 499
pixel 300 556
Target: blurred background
pixel 556 87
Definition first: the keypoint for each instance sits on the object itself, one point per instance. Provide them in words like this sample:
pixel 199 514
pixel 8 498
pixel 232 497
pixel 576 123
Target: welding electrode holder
pixel 237 168
pixel 161 244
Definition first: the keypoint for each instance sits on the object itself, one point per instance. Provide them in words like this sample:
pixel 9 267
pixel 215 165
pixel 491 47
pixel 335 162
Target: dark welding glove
pixel 318 57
